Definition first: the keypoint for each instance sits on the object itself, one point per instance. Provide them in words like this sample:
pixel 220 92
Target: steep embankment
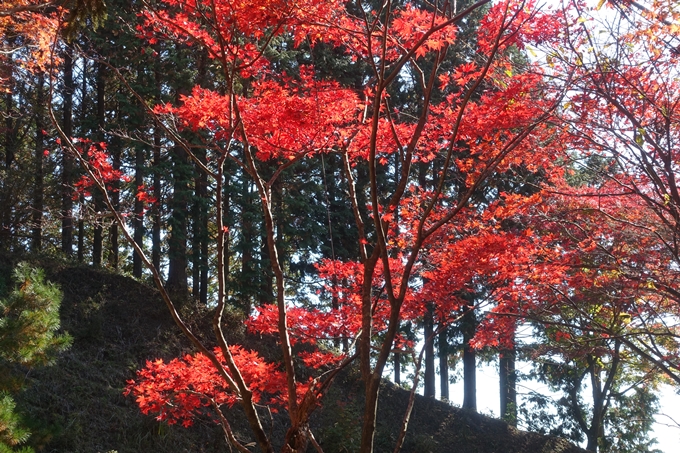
pixel 118 323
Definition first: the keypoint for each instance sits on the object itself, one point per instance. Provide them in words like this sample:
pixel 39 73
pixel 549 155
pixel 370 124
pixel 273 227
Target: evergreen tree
pixel 29 324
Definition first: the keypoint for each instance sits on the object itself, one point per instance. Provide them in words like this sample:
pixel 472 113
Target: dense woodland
pixel 408 189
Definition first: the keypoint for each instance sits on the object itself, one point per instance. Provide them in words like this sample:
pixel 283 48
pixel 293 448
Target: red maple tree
pixel 492 118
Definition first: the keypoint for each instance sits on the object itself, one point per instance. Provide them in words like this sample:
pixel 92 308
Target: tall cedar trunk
pixel 469 359
pixel 139 211
pixel 9 144
pixel 115 200
pixel 200 238
pixel 265 292
pixel 38 182
pixel 429 380
pixel 508 385
pixel 81 198
pixel 97 242
pixel 81 232
pixel 247 265
pixel 444 364
pixel 177 282
pixel 177 242
pixel 195 248
pixel 158 195
pixel 596 429
pixel 67 164
pixel 198 213
pixel 204 241
pixel 156 209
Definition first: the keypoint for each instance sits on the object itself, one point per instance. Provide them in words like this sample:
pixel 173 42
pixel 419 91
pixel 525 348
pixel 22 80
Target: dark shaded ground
pixel 118 323
pixel 434 427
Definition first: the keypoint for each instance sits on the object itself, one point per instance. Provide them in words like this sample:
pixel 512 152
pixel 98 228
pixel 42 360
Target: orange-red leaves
pixel 183 388
pixel 410 26
pixel 297 117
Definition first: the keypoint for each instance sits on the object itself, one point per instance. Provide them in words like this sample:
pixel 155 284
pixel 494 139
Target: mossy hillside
pixel 117 323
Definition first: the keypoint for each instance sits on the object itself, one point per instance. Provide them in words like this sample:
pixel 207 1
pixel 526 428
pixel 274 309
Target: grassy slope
pixel 118 323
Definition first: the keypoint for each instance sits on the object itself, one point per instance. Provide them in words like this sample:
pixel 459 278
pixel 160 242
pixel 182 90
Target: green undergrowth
pixel 117 323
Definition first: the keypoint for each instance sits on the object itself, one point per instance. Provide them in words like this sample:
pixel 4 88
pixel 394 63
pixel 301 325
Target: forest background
pixel 374 183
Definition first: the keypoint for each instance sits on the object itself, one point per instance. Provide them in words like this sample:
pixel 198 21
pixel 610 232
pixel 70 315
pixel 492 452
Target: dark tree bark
pixel 67 164
pixel 469 325
pixel 83 120
pixel 97 242
pixel 177 241
pixel 508 383
pixel 10 126
pixel 429 380
pixel 247 244
pixel 38 182
pixel 199 245
pixel 157 193
pixel 139 211
pixel 116 150
pixel 444 364
pixel 602 393
pixel 8 146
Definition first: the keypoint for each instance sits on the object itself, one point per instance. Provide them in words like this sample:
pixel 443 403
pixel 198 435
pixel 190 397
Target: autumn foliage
pixel 283 118
pixel 470 188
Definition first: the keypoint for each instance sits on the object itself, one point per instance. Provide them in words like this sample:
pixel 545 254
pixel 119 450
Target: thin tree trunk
pixel 10 128
pixel 97 242
pixel 429 381
pixel 67 165
pixel 247 265
pixel 139 211
pixel 203 180
pixel 81 233
pixel 196 240
pixel 115 199
pixel 7 72
pixel 469 360
pixel 38 183
pixel 444 364
pixel 81 198
pixel 508 383
pixel 156 208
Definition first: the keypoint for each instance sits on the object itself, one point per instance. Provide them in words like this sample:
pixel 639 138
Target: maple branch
pixel 265 201
pixel 454 135
pixel 236 384
pixel 406 57
pixel 351 187
pixel 227 428
pixel 314 442
pixel 156 276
